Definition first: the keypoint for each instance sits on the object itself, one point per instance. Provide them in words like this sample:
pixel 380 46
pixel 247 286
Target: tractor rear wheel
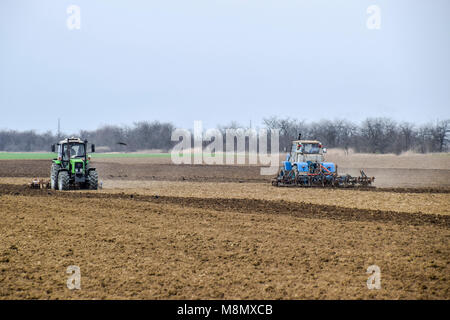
pixel 63 180
pixel 54 176
pixel 93 180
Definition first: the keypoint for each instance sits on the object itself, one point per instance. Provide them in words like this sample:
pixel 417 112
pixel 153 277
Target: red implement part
pixel 39 184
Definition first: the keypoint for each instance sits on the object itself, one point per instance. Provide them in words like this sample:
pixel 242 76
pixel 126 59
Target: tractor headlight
pixel 79 167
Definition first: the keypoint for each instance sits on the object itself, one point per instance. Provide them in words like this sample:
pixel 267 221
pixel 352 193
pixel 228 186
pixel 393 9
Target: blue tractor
pixel 305 166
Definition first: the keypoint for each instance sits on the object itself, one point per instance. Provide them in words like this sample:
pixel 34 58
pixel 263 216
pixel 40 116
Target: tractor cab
pixel 307 150
pixel 72 150
pixel 307 157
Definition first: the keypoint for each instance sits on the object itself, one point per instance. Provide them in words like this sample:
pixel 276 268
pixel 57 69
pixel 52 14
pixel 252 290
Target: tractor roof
pixel 71 140
pixel 306 141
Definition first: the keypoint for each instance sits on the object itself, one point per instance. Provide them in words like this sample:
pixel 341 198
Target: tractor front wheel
pixel 93 180
pixel 54 176
pixel 63 180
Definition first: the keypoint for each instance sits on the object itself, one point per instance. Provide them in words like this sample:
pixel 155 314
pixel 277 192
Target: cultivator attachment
pixel 39 184
pixel 292 178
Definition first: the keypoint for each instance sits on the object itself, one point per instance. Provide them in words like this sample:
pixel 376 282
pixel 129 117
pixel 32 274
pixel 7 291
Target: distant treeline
pixel 374 135
pixel 141 136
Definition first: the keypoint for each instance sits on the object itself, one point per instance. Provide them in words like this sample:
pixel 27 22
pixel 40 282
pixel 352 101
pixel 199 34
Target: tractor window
pixel 76 150
pixel 65 154
pixel 311 148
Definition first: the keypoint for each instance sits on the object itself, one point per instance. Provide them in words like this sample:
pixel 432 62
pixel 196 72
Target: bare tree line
pixel 373 135
pixel 142 135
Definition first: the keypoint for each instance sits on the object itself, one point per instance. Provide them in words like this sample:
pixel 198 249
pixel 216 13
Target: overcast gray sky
pixel 223 60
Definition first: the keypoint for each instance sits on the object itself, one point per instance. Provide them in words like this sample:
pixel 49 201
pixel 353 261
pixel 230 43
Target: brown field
pixel 160 231
pixel 389 170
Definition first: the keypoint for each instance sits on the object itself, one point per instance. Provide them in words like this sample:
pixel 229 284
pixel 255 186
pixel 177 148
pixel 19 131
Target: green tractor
pixel 71 169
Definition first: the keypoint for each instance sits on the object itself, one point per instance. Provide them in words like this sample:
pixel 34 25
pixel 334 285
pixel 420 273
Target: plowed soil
pixel 219 232
pixel 163 170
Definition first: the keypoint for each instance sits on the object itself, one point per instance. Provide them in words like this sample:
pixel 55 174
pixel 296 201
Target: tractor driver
pixel 78 152
pixel 73 152
pixel 311 148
